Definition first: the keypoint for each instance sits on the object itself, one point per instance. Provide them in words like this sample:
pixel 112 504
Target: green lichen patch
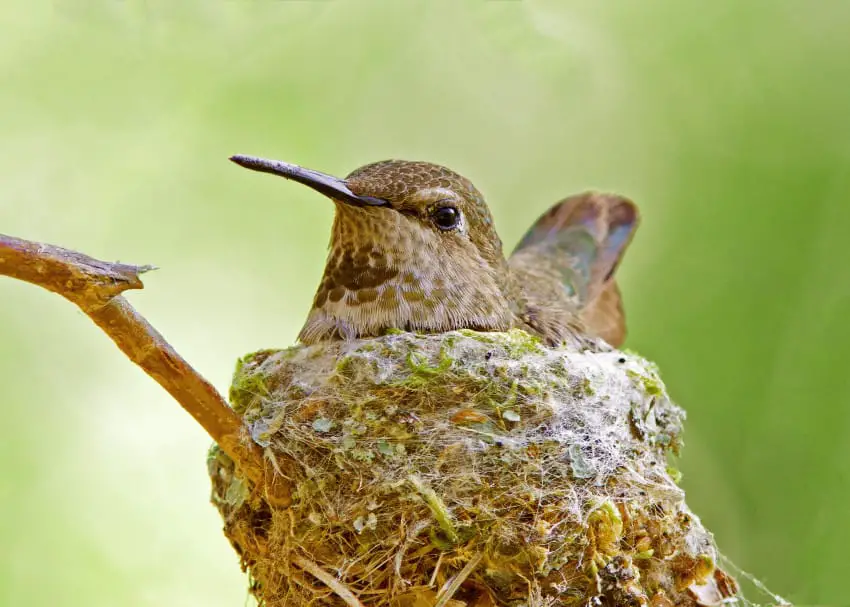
pixel 247 384
pixel 464 469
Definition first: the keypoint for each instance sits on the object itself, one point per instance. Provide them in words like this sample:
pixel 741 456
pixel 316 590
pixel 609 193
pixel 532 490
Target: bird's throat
pixel 365 295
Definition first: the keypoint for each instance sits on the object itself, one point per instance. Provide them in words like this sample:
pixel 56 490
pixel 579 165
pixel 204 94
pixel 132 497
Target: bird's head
pixel 413 246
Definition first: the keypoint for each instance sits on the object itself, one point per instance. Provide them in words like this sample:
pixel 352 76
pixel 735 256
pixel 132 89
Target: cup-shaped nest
pixel 464 469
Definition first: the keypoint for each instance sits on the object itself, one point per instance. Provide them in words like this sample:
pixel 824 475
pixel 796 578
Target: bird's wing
pixel 582 238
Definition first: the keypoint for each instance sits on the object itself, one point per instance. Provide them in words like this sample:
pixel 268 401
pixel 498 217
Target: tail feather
pixel 586 235
pixel 605 316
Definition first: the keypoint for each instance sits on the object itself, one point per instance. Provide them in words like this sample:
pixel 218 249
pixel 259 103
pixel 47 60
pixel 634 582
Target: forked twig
pixel 95 287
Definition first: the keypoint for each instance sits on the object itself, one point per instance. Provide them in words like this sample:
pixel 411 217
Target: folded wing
pixel 580 241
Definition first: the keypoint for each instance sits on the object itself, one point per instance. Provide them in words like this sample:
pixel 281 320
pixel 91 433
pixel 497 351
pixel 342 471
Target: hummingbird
pixel 413 247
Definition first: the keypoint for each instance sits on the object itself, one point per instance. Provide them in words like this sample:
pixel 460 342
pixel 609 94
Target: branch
pixel 96 287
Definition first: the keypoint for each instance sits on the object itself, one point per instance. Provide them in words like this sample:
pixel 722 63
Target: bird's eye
pixel 446 218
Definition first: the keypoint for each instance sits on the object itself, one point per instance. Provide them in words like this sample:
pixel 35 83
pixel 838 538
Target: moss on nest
pixel 464 469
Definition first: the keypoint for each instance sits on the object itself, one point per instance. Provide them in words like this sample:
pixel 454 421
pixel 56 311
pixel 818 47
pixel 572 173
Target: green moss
pixel 214 454
pixel 484 338
pixel 520 344
pixel 651 385
pixel 248 385
pixel 584 388
pixel 346 364
pixel 420 366
pixel 516 342
pixel 438 508
pixel 231 491
pixel 364 358
pixel 674 473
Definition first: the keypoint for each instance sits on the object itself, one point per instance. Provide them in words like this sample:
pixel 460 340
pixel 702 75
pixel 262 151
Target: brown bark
pixel 96 287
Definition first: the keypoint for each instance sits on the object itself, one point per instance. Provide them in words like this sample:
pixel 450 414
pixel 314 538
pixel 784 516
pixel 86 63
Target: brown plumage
pixel 413 247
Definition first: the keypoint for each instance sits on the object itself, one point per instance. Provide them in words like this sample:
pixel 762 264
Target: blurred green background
pixel 727 121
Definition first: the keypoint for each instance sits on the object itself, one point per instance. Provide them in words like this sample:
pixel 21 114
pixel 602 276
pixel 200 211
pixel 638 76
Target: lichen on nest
pixel 464 469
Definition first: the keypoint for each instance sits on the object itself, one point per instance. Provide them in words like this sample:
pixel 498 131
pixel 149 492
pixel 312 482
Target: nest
pixel 464 469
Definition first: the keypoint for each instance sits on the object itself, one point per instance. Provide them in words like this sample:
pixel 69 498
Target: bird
pixel 414 247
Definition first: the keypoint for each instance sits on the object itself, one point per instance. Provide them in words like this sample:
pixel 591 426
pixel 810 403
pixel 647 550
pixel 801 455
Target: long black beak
pixel 332 187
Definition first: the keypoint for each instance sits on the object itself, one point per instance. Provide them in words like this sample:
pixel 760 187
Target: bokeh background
pixel 728 121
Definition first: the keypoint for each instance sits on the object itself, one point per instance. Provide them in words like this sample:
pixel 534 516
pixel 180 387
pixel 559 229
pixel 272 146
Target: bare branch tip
pixel 95 287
